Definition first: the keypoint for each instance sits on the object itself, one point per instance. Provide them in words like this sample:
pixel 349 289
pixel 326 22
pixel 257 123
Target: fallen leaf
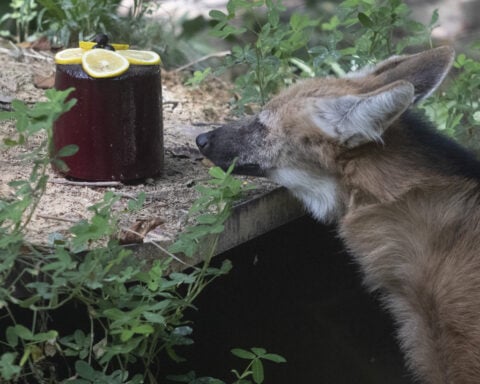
pixel 41 44
pixel 136 233
pixel 44 82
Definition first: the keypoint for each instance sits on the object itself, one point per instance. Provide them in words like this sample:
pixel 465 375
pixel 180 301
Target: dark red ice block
pixel 117 124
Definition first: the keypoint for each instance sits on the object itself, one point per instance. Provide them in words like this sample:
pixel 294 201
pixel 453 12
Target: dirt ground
pixel 186 111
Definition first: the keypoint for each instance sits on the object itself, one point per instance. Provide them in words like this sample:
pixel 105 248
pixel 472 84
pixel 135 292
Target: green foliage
pixel 254 369
pixel 457 109
pixel 8 368
pixel 68 21
pixel 199 76
pixel 276 53
pixel 16 214
pixel 211 210
pixel 268 57
pixel 65 22
pixel 130 312
pixel 23 12
pixel 133 311
pixel 366 31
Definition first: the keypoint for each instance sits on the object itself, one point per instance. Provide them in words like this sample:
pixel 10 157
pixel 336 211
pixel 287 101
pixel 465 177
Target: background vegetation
pixel 129 314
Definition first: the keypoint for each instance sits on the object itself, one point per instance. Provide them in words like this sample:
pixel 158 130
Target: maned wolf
pixel 406 199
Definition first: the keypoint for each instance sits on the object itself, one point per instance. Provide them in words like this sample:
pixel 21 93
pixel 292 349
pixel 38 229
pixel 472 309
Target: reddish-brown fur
pixel 407 202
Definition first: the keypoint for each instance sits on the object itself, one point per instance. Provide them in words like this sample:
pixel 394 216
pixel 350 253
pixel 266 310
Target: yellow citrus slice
pixel 90 44
pixel 87 44
pixel 100 63
pixel 69 56
pixel 141 57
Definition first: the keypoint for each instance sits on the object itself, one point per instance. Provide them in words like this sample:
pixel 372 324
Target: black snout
pixel 225 144
pixel 202 141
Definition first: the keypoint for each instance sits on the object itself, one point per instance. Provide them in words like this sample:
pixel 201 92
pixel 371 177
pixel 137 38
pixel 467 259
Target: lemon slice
pixel 90 44
pixel 141 57
pixel 100 63
pixel 69 56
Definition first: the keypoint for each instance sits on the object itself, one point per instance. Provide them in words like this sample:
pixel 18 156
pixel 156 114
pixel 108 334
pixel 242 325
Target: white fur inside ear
pixel 318 193
pixel 356 119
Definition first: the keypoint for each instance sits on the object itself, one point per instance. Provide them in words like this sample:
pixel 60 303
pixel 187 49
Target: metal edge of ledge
pixel 249 220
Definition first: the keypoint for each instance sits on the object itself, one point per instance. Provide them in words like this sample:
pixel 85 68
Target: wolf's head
pixel 296 139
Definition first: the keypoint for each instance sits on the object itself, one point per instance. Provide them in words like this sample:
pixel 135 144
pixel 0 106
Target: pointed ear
pixel 425 70
pixel 356 119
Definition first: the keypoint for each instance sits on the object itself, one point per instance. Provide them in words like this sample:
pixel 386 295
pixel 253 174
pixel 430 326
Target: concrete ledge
pixel 250 219
pixel 260 215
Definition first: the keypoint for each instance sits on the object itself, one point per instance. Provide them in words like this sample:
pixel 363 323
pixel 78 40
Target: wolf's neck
pixel 320 194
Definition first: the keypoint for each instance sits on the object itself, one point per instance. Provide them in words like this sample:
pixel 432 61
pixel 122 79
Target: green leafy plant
pixel 211 210
pixel 456 110
pixel 132 309
pixel 66 22
pixel 276 53
pixel 254 369
pixel 371 30
pixel 23 13
pixel 267 58
pixel 16 214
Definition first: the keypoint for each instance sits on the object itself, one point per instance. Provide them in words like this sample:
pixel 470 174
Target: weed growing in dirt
pixel 15 215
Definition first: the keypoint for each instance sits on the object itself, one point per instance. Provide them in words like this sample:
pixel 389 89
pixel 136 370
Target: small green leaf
pixel 11 337
pixel 365 20
pixel 231 167
pixel 217 229
pixel 217 172
pixel 243 354
pixel 114 314
pixel 11 143
pixel 6 115
pixel 68 150
pixel 126 335
pixel 137 203
pixel 259 351
pixel 198 77
pixel 274 357
pixel 154 318
pixel 143 329
pixel 257 371
pixel 60 165
pixel 23 332
pixel 8 368
pixel 207 218
pixel 434 18
pixel 84 370
pixel 45 336
pixel 217 15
